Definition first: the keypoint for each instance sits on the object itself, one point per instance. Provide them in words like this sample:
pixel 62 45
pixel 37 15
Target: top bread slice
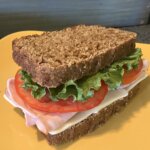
pixel 53 58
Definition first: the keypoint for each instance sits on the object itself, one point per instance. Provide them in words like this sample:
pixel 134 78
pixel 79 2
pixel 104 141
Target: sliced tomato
pixel 130 76
pixel 47 105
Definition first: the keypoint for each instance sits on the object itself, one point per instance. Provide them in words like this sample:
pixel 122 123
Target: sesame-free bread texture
pixel 92 122
pixel 53 58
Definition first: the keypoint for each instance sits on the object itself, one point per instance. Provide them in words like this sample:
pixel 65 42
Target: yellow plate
pixel 128 130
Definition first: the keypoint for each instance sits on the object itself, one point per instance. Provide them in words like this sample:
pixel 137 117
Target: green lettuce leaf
pixel 130 61
pixel 113 77
pixel 70 88
pixel 84 88
pixel 37 91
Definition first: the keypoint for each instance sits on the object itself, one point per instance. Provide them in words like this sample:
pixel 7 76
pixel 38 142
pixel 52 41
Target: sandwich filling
pixel 80 95
pixel 54 123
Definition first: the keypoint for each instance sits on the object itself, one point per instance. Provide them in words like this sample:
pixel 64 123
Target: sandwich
pixel 73 80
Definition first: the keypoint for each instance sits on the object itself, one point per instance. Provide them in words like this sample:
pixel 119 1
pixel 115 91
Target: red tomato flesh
pixel 61 106
pixel 131 75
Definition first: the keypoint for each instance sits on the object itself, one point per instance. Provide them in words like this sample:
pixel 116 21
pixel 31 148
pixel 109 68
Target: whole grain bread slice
pixel 53 58
pixel 91 122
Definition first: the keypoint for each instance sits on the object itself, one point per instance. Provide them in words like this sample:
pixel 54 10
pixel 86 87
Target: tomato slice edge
pixel 60 106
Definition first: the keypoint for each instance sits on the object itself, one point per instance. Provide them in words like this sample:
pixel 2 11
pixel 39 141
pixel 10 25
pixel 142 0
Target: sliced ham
pixel 45 122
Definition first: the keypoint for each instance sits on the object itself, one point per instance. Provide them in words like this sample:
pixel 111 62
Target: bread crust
pixel 92 122
pixel 92 52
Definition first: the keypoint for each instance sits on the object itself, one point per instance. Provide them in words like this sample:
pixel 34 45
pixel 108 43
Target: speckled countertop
pixel 142 31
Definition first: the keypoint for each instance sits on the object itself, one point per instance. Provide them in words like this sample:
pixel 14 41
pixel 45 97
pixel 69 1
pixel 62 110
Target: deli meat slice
pixel 45 122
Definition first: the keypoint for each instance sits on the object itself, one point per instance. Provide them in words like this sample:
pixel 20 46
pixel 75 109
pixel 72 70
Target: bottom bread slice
pixel 92 122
